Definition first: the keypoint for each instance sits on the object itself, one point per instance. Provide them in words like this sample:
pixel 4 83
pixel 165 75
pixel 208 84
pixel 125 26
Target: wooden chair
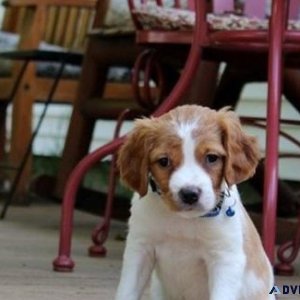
pixel 215 44
pixel 61 23
pixel 95 99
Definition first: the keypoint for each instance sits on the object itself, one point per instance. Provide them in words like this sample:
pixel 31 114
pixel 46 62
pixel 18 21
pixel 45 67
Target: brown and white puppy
pixel 188 229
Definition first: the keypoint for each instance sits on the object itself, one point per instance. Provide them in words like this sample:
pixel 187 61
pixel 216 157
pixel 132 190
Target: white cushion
pixel 9 42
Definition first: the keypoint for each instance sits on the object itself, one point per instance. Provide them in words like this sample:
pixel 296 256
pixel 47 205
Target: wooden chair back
pixel 59 22
pixel 62 23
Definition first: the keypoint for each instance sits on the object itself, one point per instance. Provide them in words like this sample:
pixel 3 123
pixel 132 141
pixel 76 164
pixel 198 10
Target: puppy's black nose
pixel 190 195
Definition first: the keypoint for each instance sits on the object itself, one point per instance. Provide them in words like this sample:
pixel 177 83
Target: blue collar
pixel 230 212
pixel 216 211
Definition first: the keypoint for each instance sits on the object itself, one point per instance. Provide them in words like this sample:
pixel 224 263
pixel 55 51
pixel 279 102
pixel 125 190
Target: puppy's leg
pixel 138 264
pixel 225 277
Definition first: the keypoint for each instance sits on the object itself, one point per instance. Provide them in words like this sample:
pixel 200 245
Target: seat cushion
pixel 155 17
pixel 118 18
pixel 9 42
pixel 164 18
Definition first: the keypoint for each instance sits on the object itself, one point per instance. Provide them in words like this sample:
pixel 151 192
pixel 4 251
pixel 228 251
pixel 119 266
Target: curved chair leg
pixel 277 24
pixel 287 253
pixel 63 262
pixel 100 233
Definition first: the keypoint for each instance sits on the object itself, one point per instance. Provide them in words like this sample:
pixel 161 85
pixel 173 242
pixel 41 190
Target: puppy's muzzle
pixel 189 195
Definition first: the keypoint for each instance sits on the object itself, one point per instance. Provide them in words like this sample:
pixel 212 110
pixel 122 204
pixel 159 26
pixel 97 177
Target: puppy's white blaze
pixel 190 173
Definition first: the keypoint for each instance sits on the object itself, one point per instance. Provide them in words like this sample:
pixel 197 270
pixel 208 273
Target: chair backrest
pixel 67 26
pixel 62 25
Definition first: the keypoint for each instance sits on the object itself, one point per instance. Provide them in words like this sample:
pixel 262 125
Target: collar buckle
pixel 230 212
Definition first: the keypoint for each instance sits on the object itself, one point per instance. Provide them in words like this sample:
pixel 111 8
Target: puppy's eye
pixel 164 162
pixel 212 158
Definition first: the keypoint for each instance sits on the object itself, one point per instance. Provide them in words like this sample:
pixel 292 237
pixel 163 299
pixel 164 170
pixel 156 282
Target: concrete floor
pixel 28 239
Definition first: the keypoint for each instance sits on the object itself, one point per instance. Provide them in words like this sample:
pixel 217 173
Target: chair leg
pixel 99 56
pixel 287 254
pixel 231 84
pixel 63 262
pixel 21 128
pixel 28 147
pixel 76 147
pixel 291 87
pixel 92 82
pixel 277 23
pixel 3 111
pixel 101 231
pixel 3 129
pixel 204 85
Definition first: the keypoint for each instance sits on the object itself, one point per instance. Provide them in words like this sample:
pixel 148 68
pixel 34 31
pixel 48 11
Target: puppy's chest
pixel 180 243
pixel 185 246
pixel 174 253
pixel 181 268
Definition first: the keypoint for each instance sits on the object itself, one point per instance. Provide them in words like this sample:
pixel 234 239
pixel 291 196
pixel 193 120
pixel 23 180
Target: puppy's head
pixel 189 152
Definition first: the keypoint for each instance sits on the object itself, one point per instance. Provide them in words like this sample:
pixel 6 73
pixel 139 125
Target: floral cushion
pixel 234 22
pixel 8 42
pixel 155 17
pixel 118 18
pixel 160 18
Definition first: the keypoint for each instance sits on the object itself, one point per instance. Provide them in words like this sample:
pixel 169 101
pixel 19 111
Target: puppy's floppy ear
pixel 133 159
pixel 242 153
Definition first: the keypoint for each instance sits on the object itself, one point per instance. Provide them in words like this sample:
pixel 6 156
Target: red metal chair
pixel 231 45
pixel 144 62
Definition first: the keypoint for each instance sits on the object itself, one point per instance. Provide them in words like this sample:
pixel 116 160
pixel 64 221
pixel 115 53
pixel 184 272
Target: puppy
pixel 188 229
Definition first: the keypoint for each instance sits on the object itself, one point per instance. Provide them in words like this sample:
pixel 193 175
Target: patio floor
pixel 29 237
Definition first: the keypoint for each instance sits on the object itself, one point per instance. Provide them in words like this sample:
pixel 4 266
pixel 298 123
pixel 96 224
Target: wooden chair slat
pixel 70 27
pixel 60 26
pixel 51 21
pixel 82 27
pixel 10 16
